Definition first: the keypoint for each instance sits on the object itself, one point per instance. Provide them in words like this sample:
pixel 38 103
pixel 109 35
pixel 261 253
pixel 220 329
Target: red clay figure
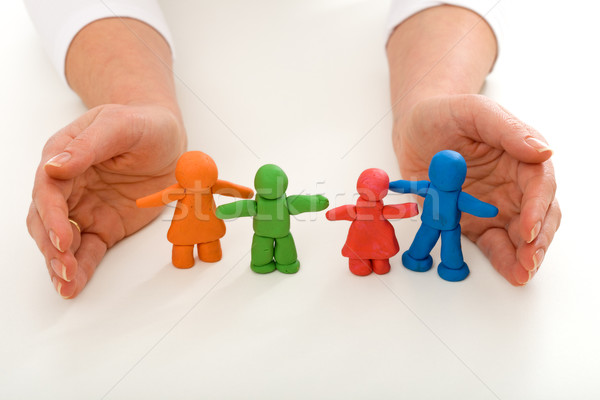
pixel 194 221
pixel 371 240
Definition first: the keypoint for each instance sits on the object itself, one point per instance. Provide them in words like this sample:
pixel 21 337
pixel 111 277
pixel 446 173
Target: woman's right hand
pixel 91 172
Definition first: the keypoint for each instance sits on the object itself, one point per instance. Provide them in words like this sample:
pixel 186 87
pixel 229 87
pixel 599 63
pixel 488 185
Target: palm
pixel 493 175
pixel 103 201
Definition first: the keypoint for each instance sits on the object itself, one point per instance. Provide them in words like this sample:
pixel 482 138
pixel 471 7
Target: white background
pixel 301 83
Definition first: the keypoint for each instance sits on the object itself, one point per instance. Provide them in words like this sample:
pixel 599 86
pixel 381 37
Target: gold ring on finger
pixel 76 224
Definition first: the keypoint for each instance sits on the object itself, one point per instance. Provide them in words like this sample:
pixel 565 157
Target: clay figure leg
pixel 453 267
pixel 286 257
pixel 381 267
pixel 210 251
pixel 417 257
pixel 360 267
pixel 183 256
pixel 262 255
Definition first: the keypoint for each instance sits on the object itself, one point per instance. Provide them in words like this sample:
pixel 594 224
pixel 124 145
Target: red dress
pixel 371 235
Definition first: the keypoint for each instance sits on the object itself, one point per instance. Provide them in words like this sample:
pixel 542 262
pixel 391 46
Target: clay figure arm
pixel 399 211
pixel 225 188
pixel 416 187
pixel 345 213
pixel 165 196
pixel 242 208
pixel 476 207
pixel 298 204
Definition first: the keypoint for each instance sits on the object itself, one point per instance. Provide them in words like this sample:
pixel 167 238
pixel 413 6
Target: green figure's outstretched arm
pixel 299 204
pixel 242 208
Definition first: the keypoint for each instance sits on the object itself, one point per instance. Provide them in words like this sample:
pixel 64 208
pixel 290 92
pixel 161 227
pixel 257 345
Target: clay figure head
pixel 270 181
pixel 448 170
pixel 196 170
pixel 373 184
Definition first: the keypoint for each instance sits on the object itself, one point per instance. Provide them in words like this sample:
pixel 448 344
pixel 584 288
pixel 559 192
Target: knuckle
pixel 558 214
pixel 50 143
pixel 34 192
pixel 29 222
pixel 513 123
pixel 552 183
pixel 138 122
pixel 83 146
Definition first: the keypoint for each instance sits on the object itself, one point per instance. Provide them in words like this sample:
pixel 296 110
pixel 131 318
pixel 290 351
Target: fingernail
pixel 538 257
pixel 538 145
pixel 521 282
pixel 59 160
pixel 535 231
pixel 59 268
pixel 57 285
pixel 55 240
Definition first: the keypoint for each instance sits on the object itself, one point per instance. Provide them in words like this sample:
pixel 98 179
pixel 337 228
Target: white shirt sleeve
pixel 403 9
pixel 58 21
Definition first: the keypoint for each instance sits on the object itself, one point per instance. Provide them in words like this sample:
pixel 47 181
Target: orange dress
pixel 194 220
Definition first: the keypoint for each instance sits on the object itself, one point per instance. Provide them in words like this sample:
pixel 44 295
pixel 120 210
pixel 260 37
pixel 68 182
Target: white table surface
pixel 305 85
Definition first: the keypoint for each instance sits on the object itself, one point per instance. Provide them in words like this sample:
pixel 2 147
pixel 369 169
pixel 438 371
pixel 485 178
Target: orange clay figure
pixel 194 221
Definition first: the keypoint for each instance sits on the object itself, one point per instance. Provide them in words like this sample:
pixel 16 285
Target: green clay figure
pixel 272 245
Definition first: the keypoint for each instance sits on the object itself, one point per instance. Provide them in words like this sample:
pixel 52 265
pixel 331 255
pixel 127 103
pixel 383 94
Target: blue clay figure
pixel 444 203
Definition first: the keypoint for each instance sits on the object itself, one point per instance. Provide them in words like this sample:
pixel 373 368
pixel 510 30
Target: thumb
pixel 108 135
pixel 500 129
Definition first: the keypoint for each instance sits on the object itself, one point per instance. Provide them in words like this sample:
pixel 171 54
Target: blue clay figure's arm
pixel 416 187
pixel 242 208
pixel 298 204
pixel 476 207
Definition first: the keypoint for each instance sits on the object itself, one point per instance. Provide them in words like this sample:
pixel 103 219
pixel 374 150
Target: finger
pixel 538 185
pixel 498 248
pixel 514 231
pixel 89 255
pixel 49 198
pixel 500 129
pixel 49 195
pixel 111 132
pixel 61 265
pixel 76 232
pixel 57 142
pixel 531 255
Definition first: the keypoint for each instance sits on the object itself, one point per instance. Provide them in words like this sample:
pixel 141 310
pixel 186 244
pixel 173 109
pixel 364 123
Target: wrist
pixel 121 61
pixel 441 51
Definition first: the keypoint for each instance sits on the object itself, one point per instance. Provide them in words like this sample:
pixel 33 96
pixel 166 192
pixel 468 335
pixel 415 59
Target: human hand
pixel 508 166
pixel 91 172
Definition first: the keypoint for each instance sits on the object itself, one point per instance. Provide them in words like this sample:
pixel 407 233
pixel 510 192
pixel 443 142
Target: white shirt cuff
pixel 59 21
pixel 403 9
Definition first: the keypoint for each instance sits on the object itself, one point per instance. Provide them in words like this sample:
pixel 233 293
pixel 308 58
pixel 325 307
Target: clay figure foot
pixel 285 255
pixel 263 269
pixel 381 267
pixel 415 264
pixel 210 251
pixel 183 256
pixel 261 260
pixel 360 267
pixel 288 268
pixel 453 274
